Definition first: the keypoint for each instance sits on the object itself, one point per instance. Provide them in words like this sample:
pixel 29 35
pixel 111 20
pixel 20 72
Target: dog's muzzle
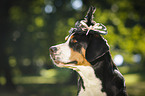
pixel 53 51
pixel 56 56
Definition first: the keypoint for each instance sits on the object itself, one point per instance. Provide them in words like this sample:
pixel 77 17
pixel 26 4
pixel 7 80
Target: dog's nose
pixel 53 49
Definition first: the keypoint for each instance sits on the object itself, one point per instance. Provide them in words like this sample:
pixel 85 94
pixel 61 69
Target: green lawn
pixel 42 86
pixel 137 89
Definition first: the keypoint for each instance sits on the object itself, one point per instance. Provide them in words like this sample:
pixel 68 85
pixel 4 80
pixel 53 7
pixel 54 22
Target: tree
pixel 4 42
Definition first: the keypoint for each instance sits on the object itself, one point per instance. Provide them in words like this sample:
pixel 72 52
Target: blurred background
pixel 29 27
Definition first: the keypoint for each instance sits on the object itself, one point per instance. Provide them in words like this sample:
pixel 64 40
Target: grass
pixel 130 79
pixel 135 84
pixel 46 86
pixel 41 90
pixel 137 89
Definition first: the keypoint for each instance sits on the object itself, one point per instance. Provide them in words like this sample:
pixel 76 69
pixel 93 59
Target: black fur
pixel 96 48
pixel 97 53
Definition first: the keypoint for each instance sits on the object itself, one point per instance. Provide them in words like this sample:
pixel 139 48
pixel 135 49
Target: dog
pixel 87 52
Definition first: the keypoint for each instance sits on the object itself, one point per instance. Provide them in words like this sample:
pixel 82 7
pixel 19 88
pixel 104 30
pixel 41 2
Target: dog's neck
pixel 104 67
pixel 92 85
pixel 92 77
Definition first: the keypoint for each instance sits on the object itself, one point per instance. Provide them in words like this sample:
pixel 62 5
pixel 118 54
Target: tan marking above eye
pixel 66 38
pixel 72 37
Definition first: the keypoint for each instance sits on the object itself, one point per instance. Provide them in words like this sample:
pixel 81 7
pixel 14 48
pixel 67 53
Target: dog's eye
pixel 74 41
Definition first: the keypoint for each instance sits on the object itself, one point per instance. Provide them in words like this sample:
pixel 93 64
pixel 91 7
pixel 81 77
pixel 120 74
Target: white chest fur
pixel 92 84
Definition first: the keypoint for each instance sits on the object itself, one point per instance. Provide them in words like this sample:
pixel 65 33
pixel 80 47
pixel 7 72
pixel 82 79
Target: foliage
pixel 34 30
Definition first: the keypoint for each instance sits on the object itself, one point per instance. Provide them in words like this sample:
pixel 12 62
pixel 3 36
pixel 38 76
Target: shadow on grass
pixel 41 90
pixel 137 89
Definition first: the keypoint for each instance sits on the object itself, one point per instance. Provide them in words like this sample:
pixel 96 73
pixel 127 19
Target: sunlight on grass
pixel 51 76
pixel 48 73
pixel 34 80
pixel 131 78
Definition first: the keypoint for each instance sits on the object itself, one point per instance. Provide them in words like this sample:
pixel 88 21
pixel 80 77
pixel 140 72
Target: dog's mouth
pixel 65 63
pixel 72 62
pixel 59 63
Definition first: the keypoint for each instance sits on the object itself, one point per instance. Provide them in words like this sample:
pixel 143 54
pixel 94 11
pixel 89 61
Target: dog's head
pixel 79 49
pixel 83 45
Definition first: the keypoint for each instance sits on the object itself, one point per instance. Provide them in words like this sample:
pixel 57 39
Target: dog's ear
pixel 97 47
